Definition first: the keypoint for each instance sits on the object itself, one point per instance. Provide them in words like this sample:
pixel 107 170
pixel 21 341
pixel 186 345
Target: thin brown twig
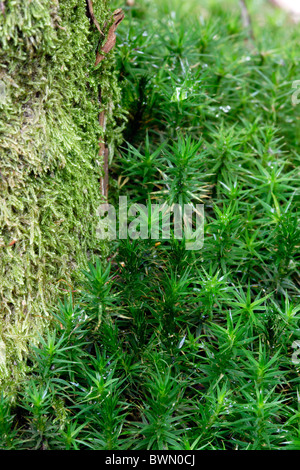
pixel 246 20
pixel 110 42
pixel 118 16
pixel 92 15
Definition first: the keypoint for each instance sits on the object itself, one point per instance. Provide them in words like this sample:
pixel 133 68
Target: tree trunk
pixel 50 168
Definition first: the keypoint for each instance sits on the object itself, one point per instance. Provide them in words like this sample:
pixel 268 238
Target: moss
pixel 50 169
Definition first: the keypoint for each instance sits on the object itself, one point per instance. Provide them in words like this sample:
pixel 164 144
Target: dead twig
pixel 118 16
pixel 92 15
pixel 246 20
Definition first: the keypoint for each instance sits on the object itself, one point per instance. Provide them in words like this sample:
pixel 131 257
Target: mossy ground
pixel 161 347
pixel 49 163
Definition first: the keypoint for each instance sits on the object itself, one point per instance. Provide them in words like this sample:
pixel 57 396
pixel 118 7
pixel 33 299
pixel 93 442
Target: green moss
pixel 50 168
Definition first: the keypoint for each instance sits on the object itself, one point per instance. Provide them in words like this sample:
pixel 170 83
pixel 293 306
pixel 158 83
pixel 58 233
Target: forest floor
pixel 168 344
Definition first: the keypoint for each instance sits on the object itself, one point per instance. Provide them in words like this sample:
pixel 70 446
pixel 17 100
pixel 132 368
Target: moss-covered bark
pixel 50 168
